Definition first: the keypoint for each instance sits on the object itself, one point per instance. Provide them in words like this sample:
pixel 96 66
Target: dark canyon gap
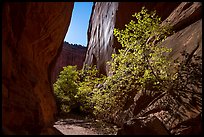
pixel 32 35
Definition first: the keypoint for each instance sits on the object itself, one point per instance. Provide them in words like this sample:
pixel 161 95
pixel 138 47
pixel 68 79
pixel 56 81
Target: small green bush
pixel 66 88
pixel 89 79
pixel 74 89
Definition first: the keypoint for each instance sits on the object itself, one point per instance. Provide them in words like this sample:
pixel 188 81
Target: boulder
pixel 192 126
pixel 142 126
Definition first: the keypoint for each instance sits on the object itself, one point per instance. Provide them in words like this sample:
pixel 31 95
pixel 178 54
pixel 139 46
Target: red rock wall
pixel 186 19
pixel 109 15
pixel 32 34
pixel 100 34
pixel 70 55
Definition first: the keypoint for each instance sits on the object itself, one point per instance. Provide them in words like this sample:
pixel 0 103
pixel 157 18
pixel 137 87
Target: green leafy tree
pixel 140 65
pixel 66 88
pixel 74 89
pixel 89 79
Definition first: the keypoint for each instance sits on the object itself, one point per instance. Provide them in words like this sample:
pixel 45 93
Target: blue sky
pixel 77 32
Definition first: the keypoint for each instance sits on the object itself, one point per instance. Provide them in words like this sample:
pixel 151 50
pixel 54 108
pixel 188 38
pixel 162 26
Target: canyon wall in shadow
pixel 33 33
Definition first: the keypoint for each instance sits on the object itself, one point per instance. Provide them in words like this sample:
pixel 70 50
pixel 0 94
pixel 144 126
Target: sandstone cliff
pixel 146 115
pixel 70 55
pixel 32 35
pixel 109 15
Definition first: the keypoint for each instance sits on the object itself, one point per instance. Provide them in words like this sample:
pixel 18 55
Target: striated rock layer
pixel 32 34
pixel 70 55
pixel 109 15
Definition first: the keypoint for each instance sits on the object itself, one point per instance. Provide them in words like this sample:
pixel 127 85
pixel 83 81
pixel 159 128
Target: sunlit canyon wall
pixel 186 20
pixel 109 15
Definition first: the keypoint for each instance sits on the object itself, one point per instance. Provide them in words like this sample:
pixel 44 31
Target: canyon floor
pixel 82 125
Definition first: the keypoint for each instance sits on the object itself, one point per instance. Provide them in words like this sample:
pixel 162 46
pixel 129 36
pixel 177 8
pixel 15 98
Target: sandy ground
pixel 81 126
pixel 75 130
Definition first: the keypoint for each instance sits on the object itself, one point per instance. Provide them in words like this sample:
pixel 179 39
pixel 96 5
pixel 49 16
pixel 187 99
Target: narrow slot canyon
pixel 43 94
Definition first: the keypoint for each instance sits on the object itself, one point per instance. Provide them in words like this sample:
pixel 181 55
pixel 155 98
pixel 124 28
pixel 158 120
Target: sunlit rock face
pixel 109 15
pixel 100 34
pixel 187 21
pixel 32 33
pixel 71 54
pixel 142 115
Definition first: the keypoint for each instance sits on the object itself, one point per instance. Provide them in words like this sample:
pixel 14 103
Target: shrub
pixel 89 79
pixel 65 89
pixel 74 89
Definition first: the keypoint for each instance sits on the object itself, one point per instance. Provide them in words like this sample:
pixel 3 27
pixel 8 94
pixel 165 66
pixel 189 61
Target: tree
pixel 74 89
pixel 141 64
pixel 89 79
pixel 65 89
